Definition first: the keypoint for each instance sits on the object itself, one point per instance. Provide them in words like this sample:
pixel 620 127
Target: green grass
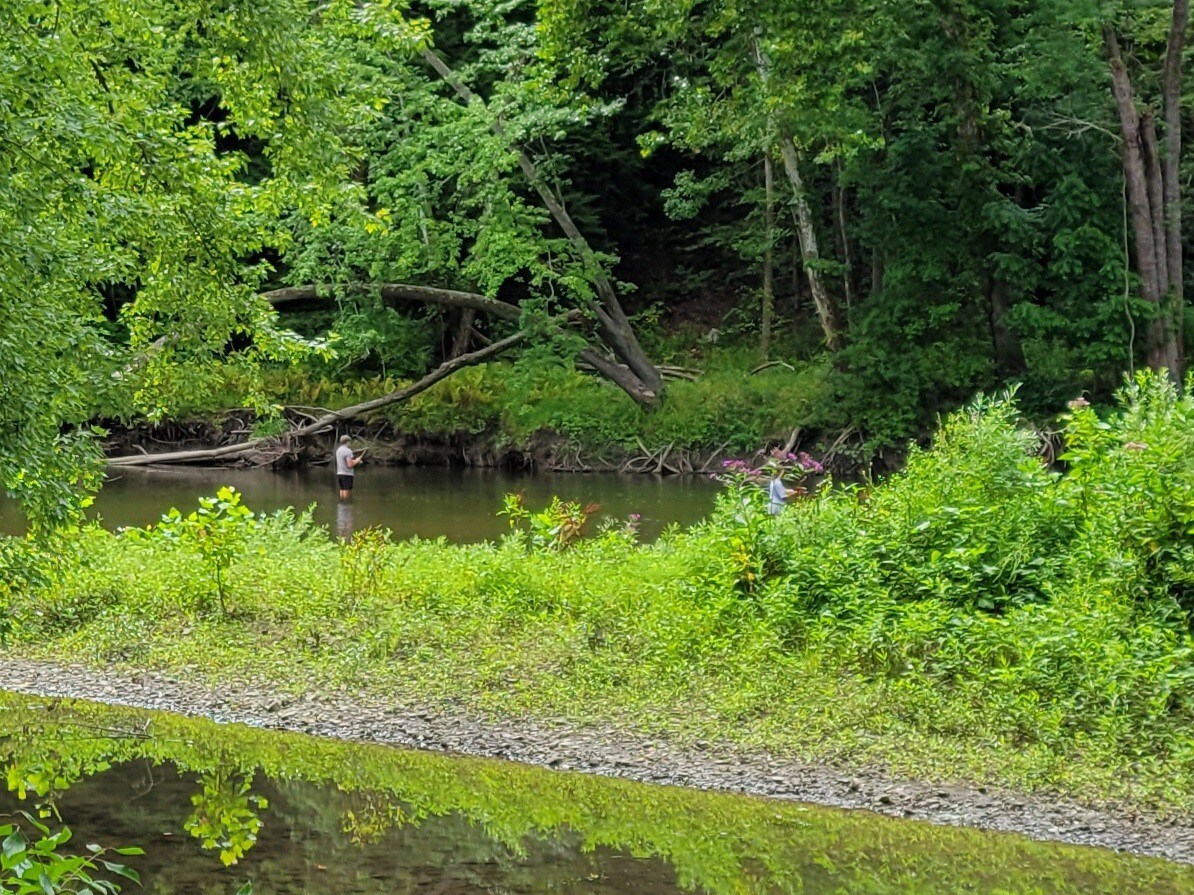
pixel 977 618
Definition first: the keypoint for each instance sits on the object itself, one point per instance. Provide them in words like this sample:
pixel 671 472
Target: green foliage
pixel 30 863
pixel 555 527
pixel 380 338
pixel 972 519
pixel 960 166
pixel 132 230
pixel 1141 473
pixel 363 561
pixel 225 815
pixel 446 201
pixel 217 532
pixel 978 615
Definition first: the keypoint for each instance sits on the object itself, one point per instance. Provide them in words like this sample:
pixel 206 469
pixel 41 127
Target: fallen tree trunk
pixel 401 292
pixel 443 371
pixel 620 375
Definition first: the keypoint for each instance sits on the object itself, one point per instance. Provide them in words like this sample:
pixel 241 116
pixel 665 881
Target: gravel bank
pixel 611 753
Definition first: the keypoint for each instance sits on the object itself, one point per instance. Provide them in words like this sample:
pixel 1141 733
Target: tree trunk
pixel 614 326
pixel 1154 177
pixel 620 375
pixel 768 310
pixel 797 277
pixel 1171 102
pixel 1006 348
pixel 1154 200
pixel 464 330
pixel 809 250
pixel 839 202
pixel 402 293
pixel 1134 170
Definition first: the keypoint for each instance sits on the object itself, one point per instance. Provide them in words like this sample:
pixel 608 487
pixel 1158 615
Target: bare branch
pixel 1071 127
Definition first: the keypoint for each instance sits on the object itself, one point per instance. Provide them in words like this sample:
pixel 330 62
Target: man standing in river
pixel 345 464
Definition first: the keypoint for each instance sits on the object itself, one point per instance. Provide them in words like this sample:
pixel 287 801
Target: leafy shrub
pixel 216 531
pixel 31 864
pixel 362 562
pixel 555 527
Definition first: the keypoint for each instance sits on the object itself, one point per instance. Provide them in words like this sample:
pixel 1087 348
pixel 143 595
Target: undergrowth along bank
pixel 511 404
pixel 977 617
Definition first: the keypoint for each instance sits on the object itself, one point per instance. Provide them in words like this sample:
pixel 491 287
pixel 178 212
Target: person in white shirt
pixel 346 463
pixel 777 493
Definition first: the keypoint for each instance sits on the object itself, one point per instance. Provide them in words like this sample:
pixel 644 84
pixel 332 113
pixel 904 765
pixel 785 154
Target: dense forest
pixel 899 204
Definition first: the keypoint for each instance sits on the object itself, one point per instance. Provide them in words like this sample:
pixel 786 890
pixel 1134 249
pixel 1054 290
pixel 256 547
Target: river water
pixel 430 502
pixel 218 806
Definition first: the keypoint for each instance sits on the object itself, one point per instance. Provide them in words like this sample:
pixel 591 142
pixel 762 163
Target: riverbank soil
pixel 609 752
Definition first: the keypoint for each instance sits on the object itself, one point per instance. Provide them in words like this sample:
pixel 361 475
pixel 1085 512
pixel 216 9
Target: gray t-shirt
pixel 343 455
pixel 777 496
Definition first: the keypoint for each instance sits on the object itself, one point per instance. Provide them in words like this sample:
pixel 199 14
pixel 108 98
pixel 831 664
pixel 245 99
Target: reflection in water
pixel 299 814
pixel 344 524
pixel 459 504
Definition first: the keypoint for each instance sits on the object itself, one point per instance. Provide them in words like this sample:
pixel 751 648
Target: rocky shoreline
pixel 610 753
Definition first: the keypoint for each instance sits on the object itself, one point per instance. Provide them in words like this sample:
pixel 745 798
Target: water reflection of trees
pixel 384 820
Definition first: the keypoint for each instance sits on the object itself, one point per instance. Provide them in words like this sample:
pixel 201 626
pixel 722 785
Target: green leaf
pixel 13 845
pixel 121 870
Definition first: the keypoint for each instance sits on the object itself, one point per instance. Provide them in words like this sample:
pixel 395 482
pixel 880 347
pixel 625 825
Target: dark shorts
pixel 345 482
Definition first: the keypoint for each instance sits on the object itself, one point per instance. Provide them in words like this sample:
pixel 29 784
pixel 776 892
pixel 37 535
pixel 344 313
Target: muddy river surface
pixel 219 806
pixel 459 504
